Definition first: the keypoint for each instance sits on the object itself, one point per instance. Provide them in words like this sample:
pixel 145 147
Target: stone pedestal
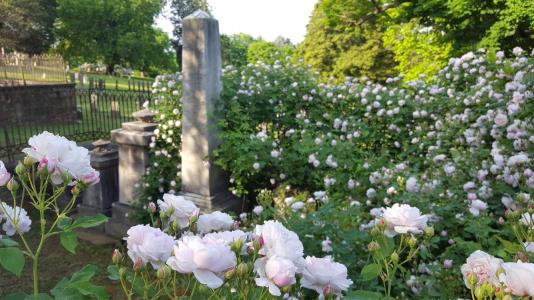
pixel 98 198
pixel 133 140
pixel 202 181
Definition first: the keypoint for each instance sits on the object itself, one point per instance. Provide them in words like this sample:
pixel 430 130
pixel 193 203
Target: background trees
pixel 27 25
pixel 379 38
pixel 115 32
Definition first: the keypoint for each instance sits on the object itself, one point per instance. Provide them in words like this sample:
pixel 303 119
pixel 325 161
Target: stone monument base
pixel 120 221
pixel 224 201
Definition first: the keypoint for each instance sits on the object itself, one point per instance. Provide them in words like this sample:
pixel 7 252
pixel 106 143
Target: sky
pixel 266 18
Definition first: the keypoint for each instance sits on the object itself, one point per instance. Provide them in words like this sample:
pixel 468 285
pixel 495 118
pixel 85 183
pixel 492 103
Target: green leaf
pixel 64 223
pixel 88 221
pixel 7 242
pixel 510 247
pixel 69 241
pixel 363 295
pixel 370 272
pixel 387 246
pixel 15 296
pixel 85 274
pixel 113 272
pixel 12 259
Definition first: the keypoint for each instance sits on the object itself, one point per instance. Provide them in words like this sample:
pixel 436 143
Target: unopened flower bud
pixel 499 292
pixel 175 226
pixel 507 297
pixel 429 232
pixel 163 272
pixel 137 266
pixel 412 241
pixel 489 290
pixel 236 246
pixel 75 191
pixel 375 232
pixel 472 280
pixel 28 161
pixel 122 272
pixel 373 246
pixel 242 269
pixel 193 219
pixel 480 292
pixel 381 223
pixel 12 185
pixel 229 274
pixel 20 169
pixel 394 257
pixel 116 257
pixel 151 207
pixel 66 178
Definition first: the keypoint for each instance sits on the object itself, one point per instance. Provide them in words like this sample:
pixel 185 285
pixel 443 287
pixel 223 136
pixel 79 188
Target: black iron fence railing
pixel 97 112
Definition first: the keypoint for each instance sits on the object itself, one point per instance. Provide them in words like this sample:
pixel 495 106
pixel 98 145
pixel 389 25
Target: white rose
pixel 325 276
pixel 15 219
pixel 181 209
pixel 227 237
pixel 214 221
pixel 404 219
pixel 61 155
pixel 527 219
pixel 477 206
pixel 411 185
pixel 275 272
pixel 258 209
pixel 148 245
pixel 518 278
pixel 483 265
pixel 206 259
pixel 279 241
pixel 4 174
pixel 501 120
pixel 529 246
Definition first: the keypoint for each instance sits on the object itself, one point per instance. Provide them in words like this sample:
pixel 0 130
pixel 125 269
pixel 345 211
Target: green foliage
pixel 27 25
pixel 12 259
pixel 373 38
pixel 234 49
pixel 114 32
pixel 69 241
pixel 268 52
pixel 417 50
pixel 79 286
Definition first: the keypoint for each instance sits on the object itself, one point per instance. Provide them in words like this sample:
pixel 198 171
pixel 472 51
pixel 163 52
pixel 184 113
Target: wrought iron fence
pixel 23 69
pixel 98 111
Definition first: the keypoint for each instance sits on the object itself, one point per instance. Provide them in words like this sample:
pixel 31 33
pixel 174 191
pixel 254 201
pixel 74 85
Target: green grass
pixel 121 83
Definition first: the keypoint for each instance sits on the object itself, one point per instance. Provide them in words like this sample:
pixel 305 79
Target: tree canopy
pixel 379 38
pixel 27 25
pixel 113 31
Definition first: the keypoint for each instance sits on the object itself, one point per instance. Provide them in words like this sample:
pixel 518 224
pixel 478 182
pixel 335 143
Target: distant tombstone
pixel 115 109
pixel 94 102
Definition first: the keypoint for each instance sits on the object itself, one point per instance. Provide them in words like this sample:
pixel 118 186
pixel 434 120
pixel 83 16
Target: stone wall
pixel 41 104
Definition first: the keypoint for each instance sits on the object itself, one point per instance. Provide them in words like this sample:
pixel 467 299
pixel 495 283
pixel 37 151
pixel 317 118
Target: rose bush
pixel 398 181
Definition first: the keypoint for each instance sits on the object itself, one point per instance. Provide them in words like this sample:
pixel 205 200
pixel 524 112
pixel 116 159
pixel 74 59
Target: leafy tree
pixel 268 52
pixel 179 10
pixel 115 32
pixel 27 25
pixel 234 48
pixel 378 38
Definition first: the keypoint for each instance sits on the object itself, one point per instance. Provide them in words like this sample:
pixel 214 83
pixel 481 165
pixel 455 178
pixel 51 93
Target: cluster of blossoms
pixel 486 274
pixel 63 159
pixel 164 172
pixel 65 162
pixel 219 250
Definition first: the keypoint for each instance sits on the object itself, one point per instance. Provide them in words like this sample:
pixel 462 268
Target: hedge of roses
pixel 334 161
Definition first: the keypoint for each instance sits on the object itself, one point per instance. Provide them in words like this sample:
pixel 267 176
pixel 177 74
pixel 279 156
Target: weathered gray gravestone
pixel 202 182
pixel 133 140
pixel 98 198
